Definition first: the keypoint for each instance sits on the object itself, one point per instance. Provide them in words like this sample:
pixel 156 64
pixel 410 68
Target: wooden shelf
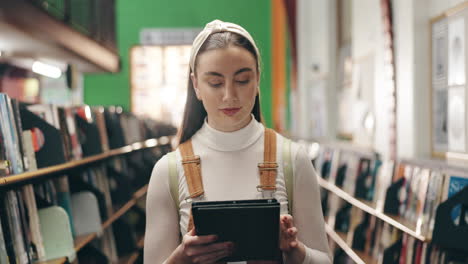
pixel 395 221
pixel 355 255
pixel 150 143
pixel 342 235
pixel 141 242
pixel 140 193
pixel 83 240
pixel 342 244
pixel 130 259
pixel 119 213
pixel 31 32
pixel 136 196
pixel 366 258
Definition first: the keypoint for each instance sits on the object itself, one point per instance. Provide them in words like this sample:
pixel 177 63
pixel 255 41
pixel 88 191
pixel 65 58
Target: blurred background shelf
pixel 82 241
pixel 24 177
pixel 340 239
pixel 369 208
pixel 37 33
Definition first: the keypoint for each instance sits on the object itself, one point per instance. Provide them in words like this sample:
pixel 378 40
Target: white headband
pixel 216 26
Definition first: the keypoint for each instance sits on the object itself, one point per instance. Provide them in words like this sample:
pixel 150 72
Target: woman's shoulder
pixel 295 147
pixel 162 166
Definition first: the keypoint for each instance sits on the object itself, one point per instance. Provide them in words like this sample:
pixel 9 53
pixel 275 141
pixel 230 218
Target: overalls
pixel 268 171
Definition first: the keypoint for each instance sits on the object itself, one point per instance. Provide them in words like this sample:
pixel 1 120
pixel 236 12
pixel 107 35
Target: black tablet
pixel 252 225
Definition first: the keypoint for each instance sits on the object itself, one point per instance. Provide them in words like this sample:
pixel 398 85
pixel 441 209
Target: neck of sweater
pixel 229 141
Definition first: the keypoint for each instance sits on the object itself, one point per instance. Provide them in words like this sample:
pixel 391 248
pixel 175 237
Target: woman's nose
pixel 230 92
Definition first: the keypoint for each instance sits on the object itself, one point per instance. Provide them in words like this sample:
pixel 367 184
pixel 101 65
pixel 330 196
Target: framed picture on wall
pixel 449 108
pixel 439 86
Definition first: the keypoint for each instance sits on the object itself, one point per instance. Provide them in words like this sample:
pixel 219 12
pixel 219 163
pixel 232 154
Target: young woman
pixel 222 123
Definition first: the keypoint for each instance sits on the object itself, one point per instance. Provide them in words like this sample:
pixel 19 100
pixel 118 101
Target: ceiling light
pixel 46 70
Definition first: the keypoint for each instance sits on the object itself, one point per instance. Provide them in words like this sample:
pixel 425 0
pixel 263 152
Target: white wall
pixel 316 46
pixel 365 18
pixel 412 43
pixel 437 7
pixel 411 20
pixel 368 47
pixel 404 30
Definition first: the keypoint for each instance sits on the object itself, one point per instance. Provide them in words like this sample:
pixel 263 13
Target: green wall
pixel 132 16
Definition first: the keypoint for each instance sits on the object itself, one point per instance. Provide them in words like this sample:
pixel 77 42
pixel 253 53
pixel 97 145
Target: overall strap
pixel 268 171
pixel 269 167
pixel 192 171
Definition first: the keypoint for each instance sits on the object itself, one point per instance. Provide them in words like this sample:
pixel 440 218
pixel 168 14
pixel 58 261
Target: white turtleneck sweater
pixel 229 170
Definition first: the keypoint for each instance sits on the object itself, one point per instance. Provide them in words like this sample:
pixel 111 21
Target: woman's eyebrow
pixel 243 70
pixel 213 73
pixel 246 69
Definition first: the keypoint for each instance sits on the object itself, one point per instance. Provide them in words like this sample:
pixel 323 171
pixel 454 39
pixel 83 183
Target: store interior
pixel 92 94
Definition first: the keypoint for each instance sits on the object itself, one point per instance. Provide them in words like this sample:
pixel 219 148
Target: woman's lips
pixel 230 111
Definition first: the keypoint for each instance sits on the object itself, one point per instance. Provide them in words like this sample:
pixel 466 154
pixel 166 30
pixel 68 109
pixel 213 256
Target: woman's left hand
pixel 289 244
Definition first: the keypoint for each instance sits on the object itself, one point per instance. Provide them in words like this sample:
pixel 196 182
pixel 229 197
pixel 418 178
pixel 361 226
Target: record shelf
pixel 83 240
pixel 370 209
pixel 61 168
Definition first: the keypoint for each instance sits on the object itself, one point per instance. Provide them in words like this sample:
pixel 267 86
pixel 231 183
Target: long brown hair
pixel 195 113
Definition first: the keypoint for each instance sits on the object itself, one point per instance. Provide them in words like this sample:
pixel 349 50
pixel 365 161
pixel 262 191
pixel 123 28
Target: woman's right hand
pixel 200 249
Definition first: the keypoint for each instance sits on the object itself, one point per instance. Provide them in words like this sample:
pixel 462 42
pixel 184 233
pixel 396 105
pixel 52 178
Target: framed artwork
pixel 439 86
pixel 449 119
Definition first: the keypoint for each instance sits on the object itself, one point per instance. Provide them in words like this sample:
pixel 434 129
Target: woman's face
pixel 227 83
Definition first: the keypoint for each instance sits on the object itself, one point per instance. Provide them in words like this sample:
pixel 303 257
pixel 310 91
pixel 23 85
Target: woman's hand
pixel 293 249
pixel 200 249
